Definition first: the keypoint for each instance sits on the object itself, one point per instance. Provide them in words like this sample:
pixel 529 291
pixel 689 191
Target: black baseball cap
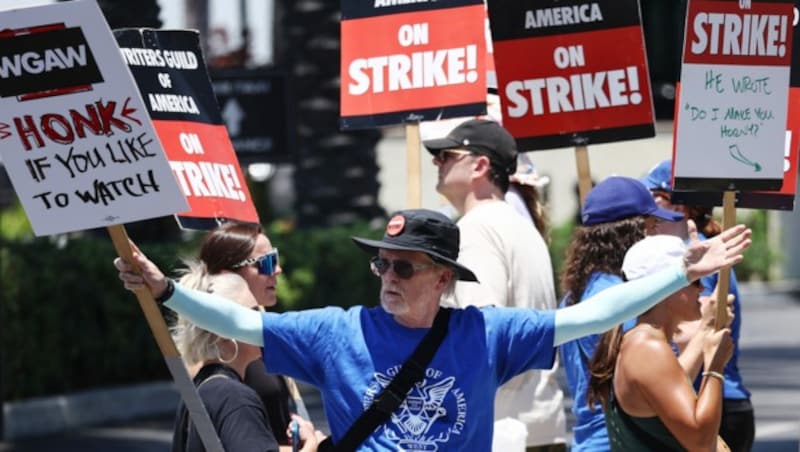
pixel 422 230
pixel 483 137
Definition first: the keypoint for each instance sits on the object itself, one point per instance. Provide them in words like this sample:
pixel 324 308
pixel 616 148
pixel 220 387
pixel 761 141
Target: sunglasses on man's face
pixel 402 268
pixel 445 154
pixel 266 264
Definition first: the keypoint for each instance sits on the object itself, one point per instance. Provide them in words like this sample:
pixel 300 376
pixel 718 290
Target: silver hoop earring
pixel 235 353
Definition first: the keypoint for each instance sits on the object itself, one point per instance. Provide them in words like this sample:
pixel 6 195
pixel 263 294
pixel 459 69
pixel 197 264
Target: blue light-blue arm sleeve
pixel 216 314
pixel 617 304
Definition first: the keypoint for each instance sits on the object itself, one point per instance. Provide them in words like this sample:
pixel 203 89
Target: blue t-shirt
pixel 589 433
pixel 352 355
pixel 733 386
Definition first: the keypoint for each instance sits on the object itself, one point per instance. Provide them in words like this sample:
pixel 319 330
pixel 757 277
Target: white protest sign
pixel 734 87
pixel 75 135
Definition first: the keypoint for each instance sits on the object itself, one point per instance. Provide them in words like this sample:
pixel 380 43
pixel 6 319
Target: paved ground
pixel 770 363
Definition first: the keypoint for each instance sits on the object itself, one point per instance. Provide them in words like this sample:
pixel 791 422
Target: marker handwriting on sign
pixel 423 69
pixel 740 34
pixel 99 118
pixel 752 117
pixel 752 85
pixel 122 151
pixel 104 191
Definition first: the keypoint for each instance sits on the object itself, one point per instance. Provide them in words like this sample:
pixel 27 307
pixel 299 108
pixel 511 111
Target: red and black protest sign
pixel 782 199
pixel 419 61
pixel 170 71
pixel 571 73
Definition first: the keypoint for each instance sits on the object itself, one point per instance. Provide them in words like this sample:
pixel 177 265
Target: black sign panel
pixel 53 59
pixel 255 109
pixel 358 9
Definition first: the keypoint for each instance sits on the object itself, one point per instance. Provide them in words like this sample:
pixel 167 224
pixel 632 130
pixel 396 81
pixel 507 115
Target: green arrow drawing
pixel 737 155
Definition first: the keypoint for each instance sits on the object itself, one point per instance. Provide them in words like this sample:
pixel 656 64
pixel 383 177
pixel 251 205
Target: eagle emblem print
pixel 433 410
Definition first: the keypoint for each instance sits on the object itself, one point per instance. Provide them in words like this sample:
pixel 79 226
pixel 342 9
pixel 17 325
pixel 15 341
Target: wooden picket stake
pixel 584 172
pixel 723 282
pixel 183 382
pixel 414 163
pixel 294 391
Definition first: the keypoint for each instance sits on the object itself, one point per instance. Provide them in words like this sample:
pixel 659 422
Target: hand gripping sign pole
pixel 728 220
pixel 80 149
pixel 184 384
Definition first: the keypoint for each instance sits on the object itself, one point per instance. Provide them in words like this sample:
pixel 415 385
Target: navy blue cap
pixel 617 198
pixel 659 177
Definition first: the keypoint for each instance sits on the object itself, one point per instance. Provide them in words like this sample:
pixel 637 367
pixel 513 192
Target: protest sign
pixel 730 126
pixel 405 62
pixel 571 73
pixel 75 138
pixel 79 146
pixel 169 68
pixel 784 198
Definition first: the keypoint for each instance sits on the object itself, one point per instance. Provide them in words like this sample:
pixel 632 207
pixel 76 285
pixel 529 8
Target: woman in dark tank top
pixel 644 389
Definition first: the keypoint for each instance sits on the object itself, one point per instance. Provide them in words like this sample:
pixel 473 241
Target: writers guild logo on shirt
pixel 433 411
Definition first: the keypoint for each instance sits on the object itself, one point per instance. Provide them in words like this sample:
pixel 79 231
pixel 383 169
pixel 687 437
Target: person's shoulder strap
pixel 395 393
pixel 205 374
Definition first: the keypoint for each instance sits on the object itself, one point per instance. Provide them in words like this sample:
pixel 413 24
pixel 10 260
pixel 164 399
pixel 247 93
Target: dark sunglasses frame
pixel 402 268
pixel 444 155
pixel 266 264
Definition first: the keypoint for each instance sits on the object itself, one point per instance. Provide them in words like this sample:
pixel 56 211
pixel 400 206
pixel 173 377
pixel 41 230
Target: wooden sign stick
pixel 584 173
pixel 413 160
pixel 184 384
pixel 723 282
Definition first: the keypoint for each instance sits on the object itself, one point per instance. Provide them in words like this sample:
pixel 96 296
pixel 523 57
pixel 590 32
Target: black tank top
pixel 274 394
pixel 634 434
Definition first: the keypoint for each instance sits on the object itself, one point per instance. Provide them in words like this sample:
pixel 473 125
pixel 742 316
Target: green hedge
pixel 67 323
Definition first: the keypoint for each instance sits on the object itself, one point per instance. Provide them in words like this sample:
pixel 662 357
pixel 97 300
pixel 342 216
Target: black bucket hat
pixel 421 230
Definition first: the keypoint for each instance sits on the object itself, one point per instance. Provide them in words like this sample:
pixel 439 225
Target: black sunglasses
pixel 266 264
pixel 402 268
pixel 442 156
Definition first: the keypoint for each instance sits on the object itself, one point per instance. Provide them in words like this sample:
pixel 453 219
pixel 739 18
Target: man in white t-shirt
pixel 509 257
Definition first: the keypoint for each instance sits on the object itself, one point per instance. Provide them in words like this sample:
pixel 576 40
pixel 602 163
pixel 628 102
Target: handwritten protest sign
pixel 571 74
pixel 170 70
pixel 732 110
pixel 74 133
pixel 404 62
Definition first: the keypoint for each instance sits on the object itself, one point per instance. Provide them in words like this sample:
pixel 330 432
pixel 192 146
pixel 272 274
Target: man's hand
pixel 141 274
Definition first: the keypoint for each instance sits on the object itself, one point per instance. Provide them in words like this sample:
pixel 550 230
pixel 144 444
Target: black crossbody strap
pixel 392 396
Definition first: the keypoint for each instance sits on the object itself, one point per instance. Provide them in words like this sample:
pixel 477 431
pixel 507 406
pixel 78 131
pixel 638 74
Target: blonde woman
pixel 235 409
